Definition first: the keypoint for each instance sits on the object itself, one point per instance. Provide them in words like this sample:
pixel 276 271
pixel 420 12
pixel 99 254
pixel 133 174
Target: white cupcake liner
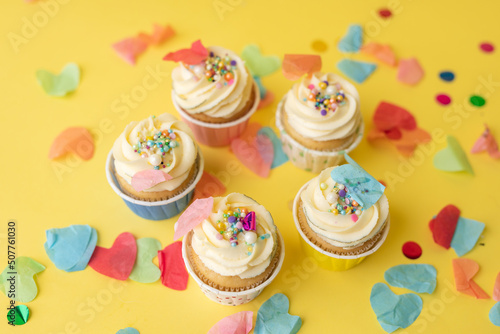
pixel 313 160
pixel 217 134
pixel 228 297
pixel 158 210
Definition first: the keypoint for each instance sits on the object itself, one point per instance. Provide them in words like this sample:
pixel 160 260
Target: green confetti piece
pixel 477 101
pixel 145 271
pixel 452 158
pixel 18 315
pixel 258 64
pixel 62 84
pixel 17 282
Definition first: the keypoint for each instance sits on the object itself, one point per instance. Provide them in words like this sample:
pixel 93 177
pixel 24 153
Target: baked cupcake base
pixel 229 283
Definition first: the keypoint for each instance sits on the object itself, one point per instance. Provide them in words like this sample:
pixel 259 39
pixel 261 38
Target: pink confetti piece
pixel 193 216
pixel 209 185
pixel 238 323
pixel 486 143
pixel 148 178
pixel 130 48
pixel 409 71
pixel 496 289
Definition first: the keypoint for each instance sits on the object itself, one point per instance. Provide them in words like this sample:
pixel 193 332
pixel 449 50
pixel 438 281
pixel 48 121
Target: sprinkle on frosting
pixel 326 96
pixel 341 202
pixel 214 68
pixel 239 221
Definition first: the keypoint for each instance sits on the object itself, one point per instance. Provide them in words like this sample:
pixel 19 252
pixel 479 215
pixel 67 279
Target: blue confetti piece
pixel 356 70
pixel 495 314
pixel 279 156
pixel 273 317
pixel 394 311
pixel 70 248
pixel 128 330
pixel 415 277
pixel 466 235
pixel 362 187
pixel 353 40
pixel 447 76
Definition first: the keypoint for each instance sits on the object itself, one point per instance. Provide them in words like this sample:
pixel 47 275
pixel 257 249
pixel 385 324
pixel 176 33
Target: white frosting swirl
pixel 195 94
pixel 181 158
pixel 218 254
pixel 340 230
pixel 308 121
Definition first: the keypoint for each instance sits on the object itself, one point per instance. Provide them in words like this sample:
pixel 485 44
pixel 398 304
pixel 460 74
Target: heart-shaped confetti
pixel 352 40
pixel 362 187
pixel 381 52
pixel 21 272
pixel 173 270
pixel 464 270
pixel 76 140
pixel 192 56
pixel 494 314
pixel 279 155
pixel 257 64
pixel 466 235
pixel 394 311
pixel 148 178
pixel 59 85
pixel 130 48
pixel 452 158
pixel 249 155
pixel 273 317
pixel 409 71
pixel 198 211
pixel 145 271
pixel 356 70
pixel 238 323
pixel 415 277
pixel 295 66
pixel 389 116
pixel 117 261
pixel 208 186
pixel 486 143
pixel 444 224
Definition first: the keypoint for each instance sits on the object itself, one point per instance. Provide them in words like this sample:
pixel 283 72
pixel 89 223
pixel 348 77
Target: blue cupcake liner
pixel 158 210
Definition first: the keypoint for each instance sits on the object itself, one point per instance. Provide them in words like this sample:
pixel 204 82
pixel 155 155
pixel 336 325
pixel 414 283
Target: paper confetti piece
pixel 146 179
pixel 128 330
pixel 394 311
pixel 494 314
pixel 412 250
pixel 477 101
pixel 381 52
pixel 358 181
pixel 496 289
pixel 486 143
pixel 389 116
pixel 238 323
pixel 209 186
pixel 173 270
pixel 145 271
pixel 385 13
pixel 279 156
pixel 443 99
pixel 117 261
pixel 198 211
pixel 452 158
pixel 192 56
pixel 444 224
pixel 356 70
pixel 26 289
pixel 130 48
pixel 160 34
pixel 487 47
pixel 409 141
pixel 264 146
pixel 295 66
pixel 266 101
pixel 70 248
pixel 319 45
pixel 415 277
pixel 76 140
pixel 409 71
pixel 273 317
pixel 257 64
pixel 464 270
pixel 18 315
pixel 250 132
pixel 59 85
pixel 352 40
pixel 466 235
pixel 447 76
pixel 249 156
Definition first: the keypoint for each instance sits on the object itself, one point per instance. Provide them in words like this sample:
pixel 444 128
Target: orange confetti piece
pixel 295 66
pixel 130 48
pixel 77 140
pixel 496 289
pixel 381 52
pixel 209 186
pixel 267 100
pixel 408 142
pixel 464 270
pixel 160 34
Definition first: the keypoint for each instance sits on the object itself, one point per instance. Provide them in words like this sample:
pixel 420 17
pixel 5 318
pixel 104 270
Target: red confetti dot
pixel 487 47
pixel 443 99
pixel 412 250
pixel 385 13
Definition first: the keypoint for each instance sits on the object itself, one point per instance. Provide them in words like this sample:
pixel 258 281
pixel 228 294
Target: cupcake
pixel 154 166
pixel 214 94
pixel 320 120
pixel 342 216
pixel 235 252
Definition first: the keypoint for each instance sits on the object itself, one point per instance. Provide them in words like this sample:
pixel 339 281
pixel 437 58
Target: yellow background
pixel 442 35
